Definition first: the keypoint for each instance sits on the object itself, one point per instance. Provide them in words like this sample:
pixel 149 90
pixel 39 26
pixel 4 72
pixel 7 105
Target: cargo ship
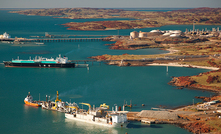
pixel 40 62
pixel 29 101
pixel 99 116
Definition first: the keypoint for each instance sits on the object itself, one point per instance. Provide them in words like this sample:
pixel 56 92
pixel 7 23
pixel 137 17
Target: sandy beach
pixel 178 65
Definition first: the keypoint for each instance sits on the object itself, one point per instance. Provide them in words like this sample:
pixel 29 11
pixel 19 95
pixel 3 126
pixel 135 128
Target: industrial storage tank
pixel 155 31
pixel 142 34
pixel 175 35
pixel 134 35
pixel 166 34
pixel 176 32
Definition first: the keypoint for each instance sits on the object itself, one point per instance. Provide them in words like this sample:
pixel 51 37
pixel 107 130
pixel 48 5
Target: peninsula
pixel 201 16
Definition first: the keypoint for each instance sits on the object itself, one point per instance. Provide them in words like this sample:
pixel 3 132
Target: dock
pixel 160 109
pixel 148 121
pixel 47 35
pixel 55 39
pixel 60 38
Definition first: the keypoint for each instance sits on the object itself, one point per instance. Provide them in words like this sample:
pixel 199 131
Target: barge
pixel 96 115
pixel 40 62
pixel 99 116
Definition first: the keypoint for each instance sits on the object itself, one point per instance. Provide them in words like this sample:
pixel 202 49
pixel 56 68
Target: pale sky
pixel 109 3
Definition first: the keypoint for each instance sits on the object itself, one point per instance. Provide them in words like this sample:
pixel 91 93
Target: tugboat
pixel 29 101
pixel 59 62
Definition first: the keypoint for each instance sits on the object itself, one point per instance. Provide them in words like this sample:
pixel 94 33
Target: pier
pixel 55 39
pixel 68 36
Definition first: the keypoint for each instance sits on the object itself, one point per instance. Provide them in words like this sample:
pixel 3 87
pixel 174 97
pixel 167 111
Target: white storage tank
pixel 174 35
pixel 142 34
pixel 155 31
pixel 166 34
pixel 134 35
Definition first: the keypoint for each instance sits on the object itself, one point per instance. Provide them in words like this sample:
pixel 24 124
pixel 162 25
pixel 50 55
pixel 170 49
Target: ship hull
pixel 40 65
pixel 118 125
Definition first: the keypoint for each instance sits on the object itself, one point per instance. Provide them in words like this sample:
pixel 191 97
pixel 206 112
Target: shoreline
pixel 192 117
pixel 178 65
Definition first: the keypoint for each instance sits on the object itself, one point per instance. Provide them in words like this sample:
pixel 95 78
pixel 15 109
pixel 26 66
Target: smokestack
pixel 119 108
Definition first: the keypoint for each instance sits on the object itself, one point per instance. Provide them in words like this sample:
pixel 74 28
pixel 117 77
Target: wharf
pixel 148 121
pixel 68 36
pixel 55 39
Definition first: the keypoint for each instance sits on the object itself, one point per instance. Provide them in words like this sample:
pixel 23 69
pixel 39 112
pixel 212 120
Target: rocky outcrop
pixel 207 99
pixel 187 81
pixel 198 127
pixel 119 45
pixel 101 57
pixel 183 81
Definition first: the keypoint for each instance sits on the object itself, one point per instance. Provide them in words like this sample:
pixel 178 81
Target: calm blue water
pixel 100 84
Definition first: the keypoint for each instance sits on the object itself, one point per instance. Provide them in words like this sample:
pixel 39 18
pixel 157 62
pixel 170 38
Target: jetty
pixel 59 38
pixel 68 36
pixel 54 39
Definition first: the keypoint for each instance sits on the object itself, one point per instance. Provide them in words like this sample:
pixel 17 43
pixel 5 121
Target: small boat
pixel 29 101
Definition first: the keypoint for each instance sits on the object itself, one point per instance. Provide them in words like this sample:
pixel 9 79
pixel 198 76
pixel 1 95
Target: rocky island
pixel 111 25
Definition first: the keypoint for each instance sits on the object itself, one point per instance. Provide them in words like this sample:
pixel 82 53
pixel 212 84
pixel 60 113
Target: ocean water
pixel 100 84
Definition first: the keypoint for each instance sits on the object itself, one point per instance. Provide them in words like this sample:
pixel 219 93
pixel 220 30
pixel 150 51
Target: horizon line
pixel 108 7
